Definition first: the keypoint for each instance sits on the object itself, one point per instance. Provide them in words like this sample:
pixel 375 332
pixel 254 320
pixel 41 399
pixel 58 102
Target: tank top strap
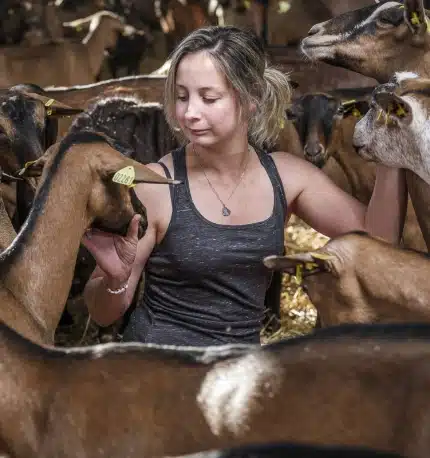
pixel 179 173
pixel 268 163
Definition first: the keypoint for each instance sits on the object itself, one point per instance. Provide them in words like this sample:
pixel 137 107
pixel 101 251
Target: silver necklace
pixel 225 210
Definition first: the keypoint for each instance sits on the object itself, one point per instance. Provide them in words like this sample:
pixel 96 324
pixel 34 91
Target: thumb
pixel 133 227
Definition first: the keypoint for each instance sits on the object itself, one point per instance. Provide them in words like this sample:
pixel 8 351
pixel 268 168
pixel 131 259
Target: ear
pixel 33 168
pixel 312 262
pixel 130 172
pixel 415 16
pixel 55 108
pixel 354 107
pixel 393 107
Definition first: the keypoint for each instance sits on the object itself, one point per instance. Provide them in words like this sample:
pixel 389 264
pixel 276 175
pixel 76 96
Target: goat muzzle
pixel 141 210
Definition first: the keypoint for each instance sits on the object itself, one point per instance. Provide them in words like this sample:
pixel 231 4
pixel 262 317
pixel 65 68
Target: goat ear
pixel 415 16
pixel 312 261
pixel 356 108
pixel 55 108
pixel 393 107
pixel 33 168
pixel 131 172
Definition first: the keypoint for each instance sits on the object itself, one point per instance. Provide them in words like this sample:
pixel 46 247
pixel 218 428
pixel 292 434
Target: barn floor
pixel 298 315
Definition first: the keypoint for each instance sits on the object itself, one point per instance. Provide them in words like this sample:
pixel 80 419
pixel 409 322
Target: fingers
pixel 133 227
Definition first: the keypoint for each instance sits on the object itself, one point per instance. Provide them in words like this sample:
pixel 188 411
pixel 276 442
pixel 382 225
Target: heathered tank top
pixel 205 283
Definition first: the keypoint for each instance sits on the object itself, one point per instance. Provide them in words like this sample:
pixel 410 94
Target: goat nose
pixel 315 29
pixel 313 149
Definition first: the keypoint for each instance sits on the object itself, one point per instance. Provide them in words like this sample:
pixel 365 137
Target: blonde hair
pixel 238 54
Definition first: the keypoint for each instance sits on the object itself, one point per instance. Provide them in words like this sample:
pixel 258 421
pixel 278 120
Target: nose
pixel 313 149
pixel 314 30
pixel 192 111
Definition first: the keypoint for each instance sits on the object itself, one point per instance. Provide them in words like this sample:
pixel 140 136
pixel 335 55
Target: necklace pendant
pixel 225 211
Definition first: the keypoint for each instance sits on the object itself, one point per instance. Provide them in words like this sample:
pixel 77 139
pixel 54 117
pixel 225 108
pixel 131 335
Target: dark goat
pixel 291 450
pixel 365 386
pixel 28 125
pixel 142 126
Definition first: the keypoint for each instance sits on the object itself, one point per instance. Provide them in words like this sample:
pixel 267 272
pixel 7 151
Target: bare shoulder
pixel 148 192
pixel 295 172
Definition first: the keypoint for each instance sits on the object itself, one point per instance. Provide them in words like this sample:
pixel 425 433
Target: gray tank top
pixel 205 283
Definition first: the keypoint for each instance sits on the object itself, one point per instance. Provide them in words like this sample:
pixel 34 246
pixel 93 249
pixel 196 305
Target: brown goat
pixel 364 386
pixel 73 195
pixel 63 63
pixel 292 450
pixel 144 87
pixel 355 278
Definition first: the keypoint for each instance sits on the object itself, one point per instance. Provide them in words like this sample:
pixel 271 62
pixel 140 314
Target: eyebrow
pixel 205 88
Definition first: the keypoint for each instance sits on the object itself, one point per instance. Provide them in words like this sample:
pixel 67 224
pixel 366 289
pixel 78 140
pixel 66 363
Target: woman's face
pixel 206 108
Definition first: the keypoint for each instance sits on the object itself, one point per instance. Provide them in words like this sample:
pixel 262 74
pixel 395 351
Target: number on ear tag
pixel 125 176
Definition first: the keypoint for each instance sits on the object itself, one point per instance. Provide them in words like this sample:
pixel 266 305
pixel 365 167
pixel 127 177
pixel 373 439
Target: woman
pixel 202 253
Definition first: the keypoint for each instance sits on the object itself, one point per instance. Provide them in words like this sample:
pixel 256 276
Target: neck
pixel 419 65
pixel 39 266
pixel 222 160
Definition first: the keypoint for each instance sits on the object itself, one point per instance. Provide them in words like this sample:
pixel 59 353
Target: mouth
pixel 364 153
pixel 141 210
pixel 198 132
pixel 122 230
pixel 317 48
pixel 319 160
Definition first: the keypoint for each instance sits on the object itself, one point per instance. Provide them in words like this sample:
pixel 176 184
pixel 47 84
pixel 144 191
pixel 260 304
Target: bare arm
pixel 331 211
pixel 105 308
pixel 121 260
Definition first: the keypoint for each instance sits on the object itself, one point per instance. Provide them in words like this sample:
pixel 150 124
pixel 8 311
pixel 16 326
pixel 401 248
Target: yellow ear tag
pixel 282 123
pixel 322 256
pixel 415 20
pixel 356 112
pixel 299 274
pixel 379 114
pixel 125 176
pixel 48 104
pixel 348 102
pixel 400 112
pixel 26 166
pixel 310 265
pixel 247 4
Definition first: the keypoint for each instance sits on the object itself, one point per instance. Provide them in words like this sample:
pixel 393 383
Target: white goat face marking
pixel 403 146
pixel 230 391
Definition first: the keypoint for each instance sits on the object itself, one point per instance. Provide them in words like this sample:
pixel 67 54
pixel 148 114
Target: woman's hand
pixel 113 253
